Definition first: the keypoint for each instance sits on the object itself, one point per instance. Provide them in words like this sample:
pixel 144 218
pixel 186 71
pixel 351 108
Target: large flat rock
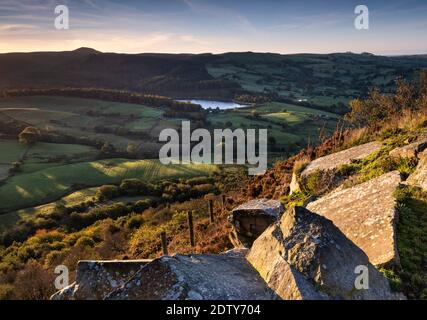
pixel 323 169
pixel 366 214
pixel 305 256
pixel 225 276
pixel 335 160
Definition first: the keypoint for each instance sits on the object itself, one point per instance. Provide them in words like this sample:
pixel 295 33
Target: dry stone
pixel 325 167
pixel 294 185
pixel 419 177
pixel 250 219
pixel 366 214
pixel 225 276
pixel 335 160
pixel 305 256
pixel 410 151
pixel 95 279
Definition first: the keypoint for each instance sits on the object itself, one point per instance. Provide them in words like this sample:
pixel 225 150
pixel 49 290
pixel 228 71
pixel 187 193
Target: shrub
pixel 6 291
pixel 199 180
pixel 85 242
pixel 134 222
pixel 54 258
pixel 300 165
pixel 16 167
pixel 412 242
pixel 107 192
pixel 132 186
pixel 34 282
pixel 29 136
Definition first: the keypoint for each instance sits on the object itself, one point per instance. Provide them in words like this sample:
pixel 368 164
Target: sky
pixel 216 26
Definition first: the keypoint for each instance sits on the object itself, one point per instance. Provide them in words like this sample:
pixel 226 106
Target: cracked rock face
pixel 250 219
pixel 367 215
pixel 304 256
pixel 95 279
pixel 225 276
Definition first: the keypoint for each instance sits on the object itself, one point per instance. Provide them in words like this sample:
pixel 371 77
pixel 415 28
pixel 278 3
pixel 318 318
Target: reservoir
pixel 206 104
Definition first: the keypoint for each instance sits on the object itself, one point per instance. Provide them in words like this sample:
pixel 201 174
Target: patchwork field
pixel 81 117
pixel 10 151
pixel 322 80
pixel 51 171
pixel 288 124
pixel 75 198
pixel 9 219
pixel 46 155
pixel 47 185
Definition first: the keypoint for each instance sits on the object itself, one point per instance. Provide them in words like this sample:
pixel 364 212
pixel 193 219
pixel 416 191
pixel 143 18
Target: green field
pixel 10 151
pixel 46 155
pixel 79 117
pixel 300 122
pixel 74 198
pixel 47 185
pixel 322 80
pixel 69 105
pixel 52 170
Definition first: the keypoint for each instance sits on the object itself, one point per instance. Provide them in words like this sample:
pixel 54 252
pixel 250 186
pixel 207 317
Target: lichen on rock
pixel 367 215
pixel 305 256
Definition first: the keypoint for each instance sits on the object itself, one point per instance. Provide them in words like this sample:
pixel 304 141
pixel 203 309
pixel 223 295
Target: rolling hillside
pixel 321 80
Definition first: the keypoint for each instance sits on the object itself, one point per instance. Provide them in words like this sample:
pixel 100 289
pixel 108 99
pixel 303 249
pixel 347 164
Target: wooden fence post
pixel 164 243
pixel 211 212
pixel 190 228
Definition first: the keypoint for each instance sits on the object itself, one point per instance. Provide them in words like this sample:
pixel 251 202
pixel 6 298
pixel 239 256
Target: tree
pixel 16 167
pixel 132 148
pixel 254 114
pixel 29 136
pixel 108 149
pixel 371 111
pixel 107 192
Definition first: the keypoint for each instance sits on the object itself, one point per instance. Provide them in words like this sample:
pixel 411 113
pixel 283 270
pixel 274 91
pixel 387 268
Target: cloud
pixel 192 39
pixel 16 27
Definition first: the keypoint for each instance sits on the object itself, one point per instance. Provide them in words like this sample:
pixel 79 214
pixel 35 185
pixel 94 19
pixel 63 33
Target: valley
pixel 80 176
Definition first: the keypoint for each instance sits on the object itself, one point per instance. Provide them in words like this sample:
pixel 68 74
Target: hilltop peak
pixel 86 50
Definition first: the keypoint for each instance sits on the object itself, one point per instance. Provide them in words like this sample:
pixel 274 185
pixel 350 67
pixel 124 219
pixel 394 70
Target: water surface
pixel 206 104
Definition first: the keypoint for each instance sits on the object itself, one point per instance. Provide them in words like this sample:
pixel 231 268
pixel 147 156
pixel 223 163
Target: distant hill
pixel 318 79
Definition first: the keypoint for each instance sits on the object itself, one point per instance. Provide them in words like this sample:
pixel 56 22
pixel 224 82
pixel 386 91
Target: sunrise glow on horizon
pixel 200 26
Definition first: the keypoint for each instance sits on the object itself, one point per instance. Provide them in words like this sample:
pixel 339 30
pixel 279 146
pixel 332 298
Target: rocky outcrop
pixel 410 151
pixel 250 219
pixel 335 160
pixel 366 214
pixel 419 177
pixel 324 168
pixel 304 256
pixel 225 276
pixel 95 279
